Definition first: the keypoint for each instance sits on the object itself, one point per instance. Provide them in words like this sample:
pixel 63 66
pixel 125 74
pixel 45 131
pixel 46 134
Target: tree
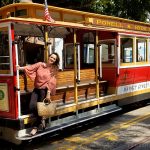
pixel 136 9
pixel 6 2
pixel 129 9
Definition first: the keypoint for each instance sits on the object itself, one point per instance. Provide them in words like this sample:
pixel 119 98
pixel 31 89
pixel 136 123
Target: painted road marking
pixel 80 141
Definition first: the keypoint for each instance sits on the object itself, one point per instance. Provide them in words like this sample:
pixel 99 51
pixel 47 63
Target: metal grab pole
pixel 18 83
pixel 78 71
pixel 100 61
pixel 49 48
pixel 118 55
pixel 87 58
pixel 75 72
pixel 46 43
pixel 96 69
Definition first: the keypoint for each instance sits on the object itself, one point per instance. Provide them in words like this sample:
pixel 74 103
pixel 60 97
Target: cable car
pixel 104 65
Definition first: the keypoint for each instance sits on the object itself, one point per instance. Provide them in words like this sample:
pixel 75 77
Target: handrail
pixel 18 83
pixel 4 63
pixel 78 64
pixel 100 61
pixel 118 54
pixel 4 56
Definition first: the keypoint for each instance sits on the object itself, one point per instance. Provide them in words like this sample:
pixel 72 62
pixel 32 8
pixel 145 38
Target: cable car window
pixel 69 55
pixel 4 51
pixel 89 53
pixel 126 50
pixel 12 14
pixel 108 52
pixel 88 48
pixel 22 12
pixel 141 50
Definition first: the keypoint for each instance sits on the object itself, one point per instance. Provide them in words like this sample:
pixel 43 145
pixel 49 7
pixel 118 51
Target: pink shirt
pixel 42 76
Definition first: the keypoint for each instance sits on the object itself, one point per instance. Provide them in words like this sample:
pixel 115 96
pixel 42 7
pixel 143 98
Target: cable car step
pixel 79 119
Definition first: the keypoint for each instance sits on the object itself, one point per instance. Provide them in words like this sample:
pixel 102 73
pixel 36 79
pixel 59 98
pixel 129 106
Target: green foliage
pixel 6 2
pixel 87 5
pixel 129 9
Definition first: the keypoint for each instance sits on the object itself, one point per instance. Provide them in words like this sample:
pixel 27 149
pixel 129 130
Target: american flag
pixel 46 14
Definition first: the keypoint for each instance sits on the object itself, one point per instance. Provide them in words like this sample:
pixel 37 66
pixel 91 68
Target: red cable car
pixel 104 65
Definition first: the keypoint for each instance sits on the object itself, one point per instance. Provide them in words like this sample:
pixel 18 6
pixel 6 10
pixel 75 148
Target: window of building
pixel 126 50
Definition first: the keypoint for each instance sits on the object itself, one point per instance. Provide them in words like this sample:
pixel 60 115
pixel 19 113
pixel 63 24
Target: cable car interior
pixel 31 50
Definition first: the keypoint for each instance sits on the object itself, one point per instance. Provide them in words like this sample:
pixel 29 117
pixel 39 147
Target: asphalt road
pixel 120 131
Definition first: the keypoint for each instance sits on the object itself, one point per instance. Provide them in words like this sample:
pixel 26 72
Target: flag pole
pixel 47 15
pixel 48 18
pixel 46 43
